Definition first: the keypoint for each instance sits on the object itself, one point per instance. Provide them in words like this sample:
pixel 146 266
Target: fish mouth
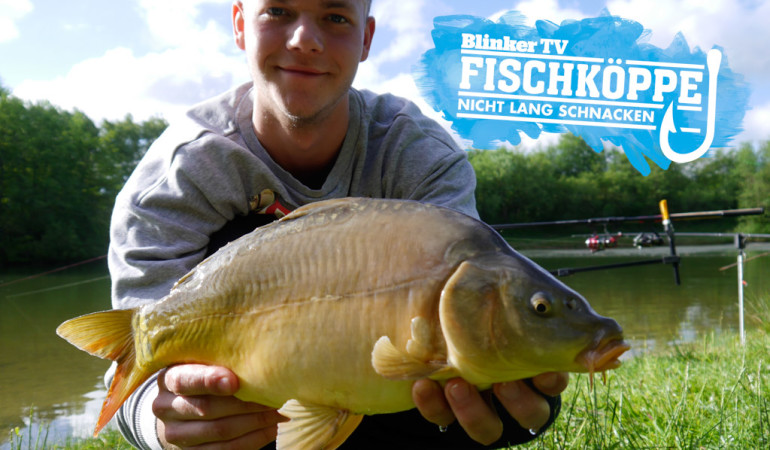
pixel 604 356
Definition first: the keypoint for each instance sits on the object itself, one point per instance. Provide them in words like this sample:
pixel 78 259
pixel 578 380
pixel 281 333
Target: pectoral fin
pixel 314 427
pixel 395 364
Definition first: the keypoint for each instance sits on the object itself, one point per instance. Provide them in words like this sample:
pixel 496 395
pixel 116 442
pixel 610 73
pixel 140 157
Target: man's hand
pixel 461 401
pixel 195 407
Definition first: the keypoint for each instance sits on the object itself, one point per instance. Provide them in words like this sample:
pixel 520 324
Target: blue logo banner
pixel 596 78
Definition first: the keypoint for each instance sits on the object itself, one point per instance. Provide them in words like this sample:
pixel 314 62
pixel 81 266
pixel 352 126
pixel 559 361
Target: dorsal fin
pixel 312 207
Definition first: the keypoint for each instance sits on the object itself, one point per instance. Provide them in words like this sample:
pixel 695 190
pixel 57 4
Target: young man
pixel 297 134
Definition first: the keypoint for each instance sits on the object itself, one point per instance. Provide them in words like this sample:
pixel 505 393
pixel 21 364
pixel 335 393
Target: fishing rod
pixel 669 229
pixel 672 258
pixel 664 217
pixel 649 218
pixel 744 236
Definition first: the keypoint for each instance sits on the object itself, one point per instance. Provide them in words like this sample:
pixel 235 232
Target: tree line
pixel 60 173
pixel 569 180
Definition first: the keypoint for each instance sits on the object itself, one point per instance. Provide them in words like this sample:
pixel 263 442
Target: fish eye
pixel 541 303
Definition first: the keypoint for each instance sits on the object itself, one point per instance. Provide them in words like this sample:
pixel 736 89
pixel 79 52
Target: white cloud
pixel 192 61
pixel 10 13
pixel 120 82
pixel 755 125
pixel 175 23
pixel 407 22
pixel 740 27
pixel 535 10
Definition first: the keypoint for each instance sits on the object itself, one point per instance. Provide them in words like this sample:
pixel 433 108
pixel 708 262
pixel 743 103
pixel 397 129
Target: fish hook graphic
pixel 713 60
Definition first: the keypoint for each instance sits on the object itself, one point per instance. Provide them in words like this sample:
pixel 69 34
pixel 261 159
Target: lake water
pixel 44 377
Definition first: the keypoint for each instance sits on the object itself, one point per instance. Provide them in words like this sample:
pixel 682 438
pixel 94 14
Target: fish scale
pixel 333 311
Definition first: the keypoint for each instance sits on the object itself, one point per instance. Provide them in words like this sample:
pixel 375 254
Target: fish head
pixel 505 318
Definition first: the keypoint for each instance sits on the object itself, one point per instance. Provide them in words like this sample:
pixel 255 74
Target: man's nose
pixel 306 36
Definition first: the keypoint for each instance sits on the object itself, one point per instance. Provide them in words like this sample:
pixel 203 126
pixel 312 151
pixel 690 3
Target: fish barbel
pixel 333 311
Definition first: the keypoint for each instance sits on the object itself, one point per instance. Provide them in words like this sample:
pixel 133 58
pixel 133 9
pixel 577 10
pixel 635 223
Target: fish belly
pixel 319 351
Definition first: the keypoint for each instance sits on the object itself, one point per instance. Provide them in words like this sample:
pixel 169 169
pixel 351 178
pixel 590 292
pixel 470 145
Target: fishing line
pixel 61 286
pixel 32 277
pixel 24 315
pixel 554 242
pixel 730 266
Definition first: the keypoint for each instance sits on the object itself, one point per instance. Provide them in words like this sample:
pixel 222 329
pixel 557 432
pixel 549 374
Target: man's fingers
pixel 195 406
pixel 193 433
pixel 250 441
pixel 195 379
pixel 168 406
pixel 551 383
pixel 473 413
pixel 529 408
pixel 429 398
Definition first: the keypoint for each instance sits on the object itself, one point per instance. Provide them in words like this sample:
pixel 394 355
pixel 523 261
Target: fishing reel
pixel 599 242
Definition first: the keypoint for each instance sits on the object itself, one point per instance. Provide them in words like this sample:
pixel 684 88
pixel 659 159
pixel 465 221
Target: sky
pixel 153 58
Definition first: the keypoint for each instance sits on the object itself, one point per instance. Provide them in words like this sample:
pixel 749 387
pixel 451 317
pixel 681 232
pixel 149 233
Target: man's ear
pixel 368 35
pixel 239 18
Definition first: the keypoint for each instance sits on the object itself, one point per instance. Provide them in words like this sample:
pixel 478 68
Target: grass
pixel 709 394
pixel 107 439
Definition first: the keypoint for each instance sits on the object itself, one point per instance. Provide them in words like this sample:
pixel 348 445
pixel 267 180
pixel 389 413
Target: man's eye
pixel 275 11
pixel 336 18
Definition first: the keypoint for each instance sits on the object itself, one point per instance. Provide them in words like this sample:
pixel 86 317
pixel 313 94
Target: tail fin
pixel 109 335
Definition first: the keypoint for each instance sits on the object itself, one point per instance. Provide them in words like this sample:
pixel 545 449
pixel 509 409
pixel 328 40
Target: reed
pixel 31 440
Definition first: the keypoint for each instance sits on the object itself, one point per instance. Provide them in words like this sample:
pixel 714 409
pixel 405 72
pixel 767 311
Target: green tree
pixel 715 183
pixel 122 144
pixel 494 169
pixel 59 175
pixel 571 156
pixel 48 185
pixel 569 180
pixel 753 173
pixel 511 186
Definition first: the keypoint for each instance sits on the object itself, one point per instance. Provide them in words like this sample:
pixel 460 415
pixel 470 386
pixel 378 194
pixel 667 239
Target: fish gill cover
pixel 597 78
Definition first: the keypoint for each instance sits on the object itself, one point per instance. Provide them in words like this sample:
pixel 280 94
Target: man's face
pixel 302 54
